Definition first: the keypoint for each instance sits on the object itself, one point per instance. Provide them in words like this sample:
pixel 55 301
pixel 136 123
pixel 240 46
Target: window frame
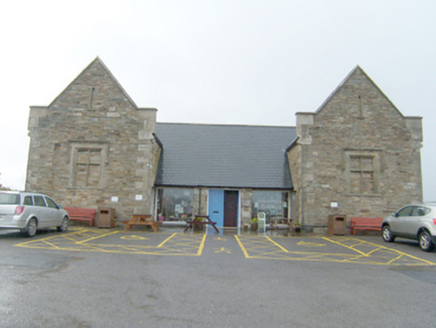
pixel 76 147
pixel 376 170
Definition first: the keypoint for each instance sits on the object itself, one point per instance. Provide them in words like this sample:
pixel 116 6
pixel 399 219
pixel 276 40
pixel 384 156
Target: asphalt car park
pixel 90 277
pixel 370 250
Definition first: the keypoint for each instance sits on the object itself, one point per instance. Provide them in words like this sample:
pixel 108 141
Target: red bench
pixel 81 214
pixel 365 224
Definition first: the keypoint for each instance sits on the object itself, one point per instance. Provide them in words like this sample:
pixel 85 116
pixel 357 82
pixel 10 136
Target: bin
pixel 106 217
pixel 336 224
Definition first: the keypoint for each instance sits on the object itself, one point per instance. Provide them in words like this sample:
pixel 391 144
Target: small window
pixel 407 211
pixel 39 201
pixel 28 200
pixel 50 203
pixel 420 211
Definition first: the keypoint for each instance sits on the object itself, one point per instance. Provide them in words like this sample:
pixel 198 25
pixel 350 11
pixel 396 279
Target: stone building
pixel 356 156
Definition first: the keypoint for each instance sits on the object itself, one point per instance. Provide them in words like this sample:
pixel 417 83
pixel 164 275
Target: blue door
pixel 216 206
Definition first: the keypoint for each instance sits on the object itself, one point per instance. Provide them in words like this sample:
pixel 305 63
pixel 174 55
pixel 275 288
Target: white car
pixel 29 211
pixel 415 221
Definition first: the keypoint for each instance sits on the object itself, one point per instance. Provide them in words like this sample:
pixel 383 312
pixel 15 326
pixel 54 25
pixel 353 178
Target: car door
pixel 40 208
pixel 53 212
pixel 413 222
pixel 399 222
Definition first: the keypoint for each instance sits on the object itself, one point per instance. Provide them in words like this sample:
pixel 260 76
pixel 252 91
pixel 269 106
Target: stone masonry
pixel 356 156
pixel 92 146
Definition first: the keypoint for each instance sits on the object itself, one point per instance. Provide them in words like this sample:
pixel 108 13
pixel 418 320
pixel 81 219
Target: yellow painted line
pixel 200 249
pixel 47 238
pixel 244 250
pixel 163 243
pixel 399 252
pixel 93 238
pixel 346 246
pixel 52 245
pixel 398 257
pixel 279 246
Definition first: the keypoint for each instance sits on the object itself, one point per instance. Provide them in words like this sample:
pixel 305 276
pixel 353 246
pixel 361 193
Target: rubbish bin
pixel 336 224
pixel 106 217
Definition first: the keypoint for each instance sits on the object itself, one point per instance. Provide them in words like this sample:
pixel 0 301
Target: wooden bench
pixel 81 214
pixel 142 219
pixel 365 224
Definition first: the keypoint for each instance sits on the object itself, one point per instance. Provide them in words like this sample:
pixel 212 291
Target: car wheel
pixel 387 234
pixel 64 225
pixel 31 227
pixel 425 242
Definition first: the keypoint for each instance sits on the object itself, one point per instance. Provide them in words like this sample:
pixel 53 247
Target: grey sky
pixel 233 62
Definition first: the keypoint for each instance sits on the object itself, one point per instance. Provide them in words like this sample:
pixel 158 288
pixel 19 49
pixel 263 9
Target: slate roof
pixel 225 156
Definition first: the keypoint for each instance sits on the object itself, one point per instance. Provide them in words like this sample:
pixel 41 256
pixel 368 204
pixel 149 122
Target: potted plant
pixel 254 224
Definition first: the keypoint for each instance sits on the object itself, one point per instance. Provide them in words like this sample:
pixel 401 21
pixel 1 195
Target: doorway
pixel 223 207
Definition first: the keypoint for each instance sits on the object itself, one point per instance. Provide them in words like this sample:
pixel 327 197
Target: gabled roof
pixel 224 156
pixel 356 70
pixel 98 61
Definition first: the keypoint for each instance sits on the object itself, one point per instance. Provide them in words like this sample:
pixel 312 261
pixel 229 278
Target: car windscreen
pixel 9 199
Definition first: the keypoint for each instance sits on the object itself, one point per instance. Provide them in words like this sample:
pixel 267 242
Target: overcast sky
pixel 224 61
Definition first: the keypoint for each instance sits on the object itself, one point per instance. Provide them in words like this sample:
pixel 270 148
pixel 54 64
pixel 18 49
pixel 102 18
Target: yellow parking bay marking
pixel 91 240
pixel 356 251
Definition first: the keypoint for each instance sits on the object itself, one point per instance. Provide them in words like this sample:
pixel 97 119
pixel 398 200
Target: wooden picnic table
pixel 199 221
pixel 142 219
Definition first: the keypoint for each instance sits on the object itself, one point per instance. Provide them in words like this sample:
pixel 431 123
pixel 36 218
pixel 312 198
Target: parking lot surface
pixel 344 249
pixel 91 277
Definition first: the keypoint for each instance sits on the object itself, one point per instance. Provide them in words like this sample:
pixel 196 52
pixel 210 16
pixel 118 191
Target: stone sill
pixel 363 195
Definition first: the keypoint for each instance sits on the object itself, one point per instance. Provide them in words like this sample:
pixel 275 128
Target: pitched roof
pixel 226 156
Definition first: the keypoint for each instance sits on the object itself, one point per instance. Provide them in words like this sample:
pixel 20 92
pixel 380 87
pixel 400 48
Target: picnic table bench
pixel 357 223
pixel 199 221
pixel 277 224
pixel 142 219
pixel 81 214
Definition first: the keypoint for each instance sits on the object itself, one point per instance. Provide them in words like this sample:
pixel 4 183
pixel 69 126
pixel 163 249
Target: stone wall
pixel 94 113
pixel 356 129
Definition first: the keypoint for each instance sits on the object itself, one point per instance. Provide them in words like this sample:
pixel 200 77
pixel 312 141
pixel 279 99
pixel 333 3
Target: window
pixel 39 201
pixel 9 199
pixel 362 171
pixel 362 175
pixel 407 211
pixel 174 204
pixel 86 165
pixel 420 211
pixel 273 203
pixel 28 200
pixel 50 203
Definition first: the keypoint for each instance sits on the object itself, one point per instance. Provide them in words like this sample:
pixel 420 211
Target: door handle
pixel 216 211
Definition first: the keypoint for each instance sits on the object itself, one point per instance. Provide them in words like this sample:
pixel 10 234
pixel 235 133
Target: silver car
pixel 417 222
pixel 29 211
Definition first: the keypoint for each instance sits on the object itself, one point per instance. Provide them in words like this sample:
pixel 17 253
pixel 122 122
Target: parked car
pixel 29 211
pixel 417 222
